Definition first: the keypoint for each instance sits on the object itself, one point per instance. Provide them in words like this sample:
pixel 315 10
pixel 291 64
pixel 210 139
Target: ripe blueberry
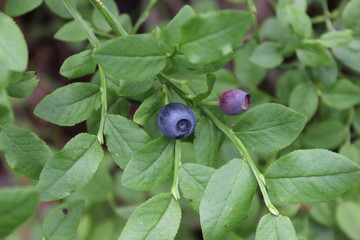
pixel 176 121
pixel 234 101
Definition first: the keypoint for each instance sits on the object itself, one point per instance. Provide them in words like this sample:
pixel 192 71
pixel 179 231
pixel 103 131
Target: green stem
pixel 109 17
pixel 327 15
pixel 165 80
pixel 177 165
pixel 100 134
pixel 210 103
pixel 258 175
pixel 252 10
pixel 85 27
pixel 144 16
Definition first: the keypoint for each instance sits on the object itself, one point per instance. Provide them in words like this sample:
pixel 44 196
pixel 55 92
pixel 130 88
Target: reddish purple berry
pixel 234 101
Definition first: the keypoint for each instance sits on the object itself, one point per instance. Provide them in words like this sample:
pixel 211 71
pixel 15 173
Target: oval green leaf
pixel 62 221
pixel 123 138
pixel 269 127
pixel 150 165
pixel 24 151
pixel 69 105
pixel 13 48
pixel 206 38
pixel 193 179
pixel 275 228
pixel 311 176
pixel 17 205
pixel 135 57
pixel 71 168
pixel 226 199
pixel 157 218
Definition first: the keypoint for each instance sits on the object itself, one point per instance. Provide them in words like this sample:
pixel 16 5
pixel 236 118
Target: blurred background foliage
pixel 333 123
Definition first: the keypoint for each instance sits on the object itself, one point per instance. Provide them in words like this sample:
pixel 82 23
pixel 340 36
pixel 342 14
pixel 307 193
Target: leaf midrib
pixel 27 154
pixel 314 176
pixel 67 170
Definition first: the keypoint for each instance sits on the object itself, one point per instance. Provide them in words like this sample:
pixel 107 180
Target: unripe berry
pixel 176 120
pixel 234 101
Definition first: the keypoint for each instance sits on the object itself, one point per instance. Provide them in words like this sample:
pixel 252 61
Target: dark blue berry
pixel 176 121
pixel 234 101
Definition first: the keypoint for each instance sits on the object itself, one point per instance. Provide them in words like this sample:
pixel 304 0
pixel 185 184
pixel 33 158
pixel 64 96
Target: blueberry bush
pixel 227 120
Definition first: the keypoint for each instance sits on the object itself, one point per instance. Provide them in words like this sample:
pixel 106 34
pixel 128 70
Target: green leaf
pixel 313 55
pixel 269 127
pixel 24 151
pixel 226 199
pixel 71 168
pixel 158 218
pixel 304 99
pixel 336 39
pixel 69 105
pixel 123 138
pixel 356 120
pixel 17 205
pixel 19 7
pixel 349 54
pixel 135 87
pixel 351 15
pixel 347 216
pixel 6 113
pixel 78 65
pixel 300 22
pixel 58 7
pixel 247 71
pixel 275 228
pixel 206 38
pixel 311 176
pixel 323 214
pixel 171 32
pixel 149 107
pixel 350 151
pixel 71 32
pixel 287 83
pixel 150 165
pixel 182 64
pixel 282 12
pixel 13 48
pixel 210 81
pixel 341 95
pixel 135 57
pixel 267 55
pixel 327 134
pixel 326 75
pixel 62 221
pixel 193 179
pixel 208 139
pixel 22 84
